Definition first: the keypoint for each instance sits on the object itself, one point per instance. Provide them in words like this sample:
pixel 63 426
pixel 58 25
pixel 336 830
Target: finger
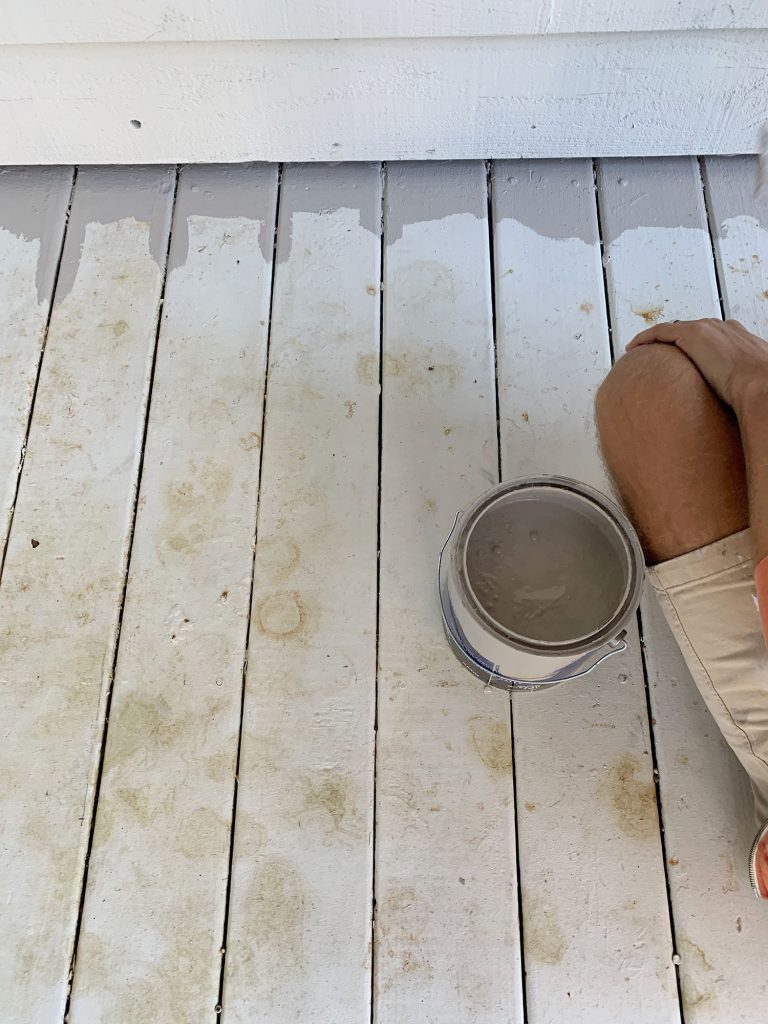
pixel 668 333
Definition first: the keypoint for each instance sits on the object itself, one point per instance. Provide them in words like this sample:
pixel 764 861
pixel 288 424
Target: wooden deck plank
pixel 719 929
pixel 446 938
pixel 64 572
pixel 153 918
pixel 739 225
pixel 658 257
pixel 300 925
pixel 33 209
pixel 595 916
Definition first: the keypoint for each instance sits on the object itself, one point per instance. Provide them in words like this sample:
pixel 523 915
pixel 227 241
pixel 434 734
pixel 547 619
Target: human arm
pixel 734 362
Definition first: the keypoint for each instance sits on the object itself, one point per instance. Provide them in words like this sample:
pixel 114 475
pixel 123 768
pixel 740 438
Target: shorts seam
pixel 697 579
pixel 716 692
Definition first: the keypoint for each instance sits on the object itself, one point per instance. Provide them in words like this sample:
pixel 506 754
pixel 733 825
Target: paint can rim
pixel 630 599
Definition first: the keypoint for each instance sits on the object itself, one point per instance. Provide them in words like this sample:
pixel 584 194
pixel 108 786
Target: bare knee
pixel 653 386
pixel 673 450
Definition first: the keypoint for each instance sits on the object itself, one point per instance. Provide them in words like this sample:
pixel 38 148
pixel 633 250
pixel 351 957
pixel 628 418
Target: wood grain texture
pixel 63 580
pixel 33 208
pixel 738 221
pixel 598 945
pixel 658 256
pixel 147 21
pixel 719 930
pixel 154 907
pixel 446 940
pixel 429 98
pixel 299 935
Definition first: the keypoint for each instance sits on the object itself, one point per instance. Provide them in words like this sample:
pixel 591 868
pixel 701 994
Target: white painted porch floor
pixel 242 777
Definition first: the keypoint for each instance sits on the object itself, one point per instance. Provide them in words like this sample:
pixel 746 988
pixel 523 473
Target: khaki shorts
pixel 708 598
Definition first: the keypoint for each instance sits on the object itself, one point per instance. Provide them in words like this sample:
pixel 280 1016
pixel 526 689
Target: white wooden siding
pixel 147 21
pixel 607 94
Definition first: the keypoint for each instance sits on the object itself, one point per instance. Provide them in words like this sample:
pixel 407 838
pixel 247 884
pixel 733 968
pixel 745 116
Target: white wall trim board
pixel 92 21
pixel 621 94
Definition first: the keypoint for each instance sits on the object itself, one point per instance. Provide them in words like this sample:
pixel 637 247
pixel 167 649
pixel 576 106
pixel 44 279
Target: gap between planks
pixel 41 356
pixel 121 606
pixel 372 1007
pixel 219 1008
pixel 489 170
pixel 640 628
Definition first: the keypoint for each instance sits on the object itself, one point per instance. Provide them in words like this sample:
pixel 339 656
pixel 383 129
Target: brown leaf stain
pixel 586 307
pixel 64 859
pixel 193 506
pixel 283 616
pixel 251 833
pixel 693 966
pixel 119 328
pixel 530 806
pixel 491 741
pixel 633 800
pixel 139 724
pixel 219 767
pixel 202 834
pixel 330 796
pixel 136 800
pixel 649 315
pixel 350 407
pixel 415 373
pixel 543 936
pixel 402 924
pixel 524 416
pixel 165 987
pixel 277 556
pixel 367 369
pixel 275 906
pixel 250 442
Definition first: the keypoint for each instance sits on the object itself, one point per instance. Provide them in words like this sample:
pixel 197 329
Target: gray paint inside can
pixel 547 566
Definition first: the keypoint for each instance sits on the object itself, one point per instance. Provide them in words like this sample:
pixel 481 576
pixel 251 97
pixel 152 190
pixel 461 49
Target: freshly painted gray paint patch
pixel 109 194
pixel 33 204
pixel 322 188
pixel 730 182
pixel 433 191
pixel 226 191
pixel 555 198
pixel 652 193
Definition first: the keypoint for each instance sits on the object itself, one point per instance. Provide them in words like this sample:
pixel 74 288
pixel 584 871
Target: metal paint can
pixel 538 581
